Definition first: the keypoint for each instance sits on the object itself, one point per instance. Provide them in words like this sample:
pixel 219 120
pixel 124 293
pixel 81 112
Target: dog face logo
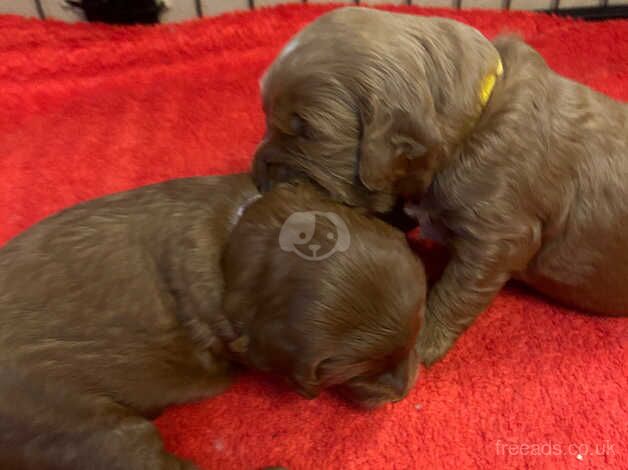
pixel 314 235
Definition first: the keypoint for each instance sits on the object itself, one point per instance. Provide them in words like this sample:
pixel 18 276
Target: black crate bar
pixel 603 11
pixel 598 13
pixel 40 10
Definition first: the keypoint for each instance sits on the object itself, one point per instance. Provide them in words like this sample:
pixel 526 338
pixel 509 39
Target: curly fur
pixel 531 187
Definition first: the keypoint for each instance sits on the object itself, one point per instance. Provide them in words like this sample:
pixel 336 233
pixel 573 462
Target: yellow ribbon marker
pixel 489 83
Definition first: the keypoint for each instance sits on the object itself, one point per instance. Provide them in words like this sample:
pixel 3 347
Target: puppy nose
pixel 259 172
pixel 397 383
pixel 264 185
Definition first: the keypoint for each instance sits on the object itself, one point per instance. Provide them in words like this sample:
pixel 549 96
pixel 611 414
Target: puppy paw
pixel 433 343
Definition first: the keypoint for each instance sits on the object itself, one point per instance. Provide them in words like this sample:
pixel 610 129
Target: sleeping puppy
pixel 333 303
pixel 112 310
pixel 521 171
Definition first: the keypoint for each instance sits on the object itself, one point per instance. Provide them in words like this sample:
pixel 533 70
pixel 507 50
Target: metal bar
pixel 199 8
pixel 251 4
pixel 506 4
pixel 457 4
pixel 40 10
pixel 554 5
pixel 611 12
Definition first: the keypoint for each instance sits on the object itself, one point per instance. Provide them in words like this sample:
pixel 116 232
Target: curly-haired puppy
pixel 523 171
pixel 112 310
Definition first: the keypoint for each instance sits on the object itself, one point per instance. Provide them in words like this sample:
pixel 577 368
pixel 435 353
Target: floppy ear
pixel 306 374
pixel 391 138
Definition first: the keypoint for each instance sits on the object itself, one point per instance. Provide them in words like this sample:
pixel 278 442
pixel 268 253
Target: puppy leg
pixel 47 423
pixel 472 278
pixel 79 432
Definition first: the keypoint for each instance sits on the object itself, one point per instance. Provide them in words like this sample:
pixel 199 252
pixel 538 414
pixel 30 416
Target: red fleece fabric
pixel 87 110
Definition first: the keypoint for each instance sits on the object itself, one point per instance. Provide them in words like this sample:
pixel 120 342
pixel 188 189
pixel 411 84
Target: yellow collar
pixel 488 83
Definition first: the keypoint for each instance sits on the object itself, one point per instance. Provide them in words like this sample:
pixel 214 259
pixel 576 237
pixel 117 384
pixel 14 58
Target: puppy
pixel 324 296
pixel 112 310
pixel 521 171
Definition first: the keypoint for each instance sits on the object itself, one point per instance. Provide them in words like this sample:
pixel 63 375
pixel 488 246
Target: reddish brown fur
pixel 112 310
pixel 373 106
pixel 346 316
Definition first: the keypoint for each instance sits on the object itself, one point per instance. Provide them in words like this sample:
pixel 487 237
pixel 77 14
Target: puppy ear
pixel 391 138
pixel 306 375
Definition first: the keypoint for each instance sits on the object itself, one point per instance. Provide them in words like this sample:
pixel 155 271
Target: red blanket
pixel 88 110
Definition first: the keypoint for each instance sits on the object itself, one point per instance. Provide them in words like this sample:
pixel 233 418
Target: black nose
pixel 264 185
pixel 259 171
pixel 396 381
pixel 266 167
pixel 269 168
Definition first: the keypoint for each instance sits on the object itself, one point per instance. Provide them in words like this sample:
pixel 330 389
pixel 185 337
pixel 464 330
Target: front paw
pixel 433 342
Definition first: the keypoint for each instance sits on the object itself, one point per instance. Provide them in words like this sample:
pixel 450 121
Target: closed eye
pixel 339 370
pixel 299 127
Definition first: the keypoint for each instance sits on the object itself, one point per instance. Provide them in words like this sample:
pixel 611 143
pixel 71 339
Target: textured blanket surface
pixel 88 110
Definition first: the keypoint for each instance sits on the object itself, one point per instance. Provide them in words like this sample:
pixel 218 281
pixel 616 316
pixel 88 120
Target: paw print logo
pixel 314 235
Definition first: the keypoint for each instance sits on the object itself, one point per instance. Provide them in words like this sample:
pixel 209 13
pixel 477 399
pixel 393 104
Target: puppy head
pixel 364 103
pixel 345 313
